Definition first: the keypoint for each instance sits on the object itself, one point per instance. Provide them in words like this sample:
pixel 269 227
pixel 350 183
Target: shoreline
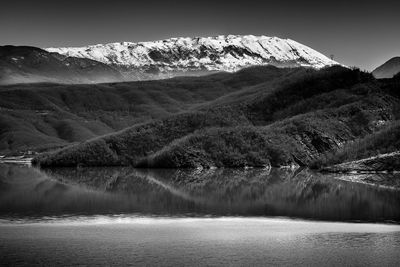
pixel 349 175
pixel 129 219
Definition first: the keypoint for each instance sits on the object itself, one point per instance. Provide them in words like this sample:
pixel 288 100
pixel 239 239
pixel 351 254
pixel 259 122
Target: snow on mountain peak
pixel 218 53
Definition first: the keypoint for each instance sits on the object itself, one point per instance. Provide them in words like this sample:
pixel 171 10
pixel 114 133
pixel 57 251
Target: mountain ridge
pixel 27 64
pixel 184 55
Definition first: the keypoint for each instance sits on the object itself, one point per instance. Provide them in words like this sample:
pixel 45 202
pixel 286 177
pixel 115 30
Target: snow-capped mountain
pixel 183 55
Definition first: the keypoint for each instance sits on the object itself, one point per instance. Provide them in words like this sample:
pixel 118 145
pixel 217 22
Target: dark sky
pixel 359 33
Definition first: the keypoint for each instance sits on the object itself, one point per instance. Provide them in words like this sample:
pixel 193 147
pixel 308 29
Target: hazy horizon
pixel 360 33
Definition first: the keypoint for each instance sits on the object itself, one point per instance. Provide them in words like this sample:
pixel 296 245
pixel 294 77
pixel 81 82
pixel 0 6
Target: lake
pixel 239 217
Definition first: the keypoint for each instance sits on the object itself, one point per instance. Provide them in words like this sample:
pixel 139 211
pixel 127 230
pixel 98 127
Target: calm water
pixel 114 216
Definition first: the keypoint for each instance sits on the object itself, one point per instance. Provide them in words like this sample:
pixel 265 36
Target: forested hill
pixel 42 116
pixel 294 118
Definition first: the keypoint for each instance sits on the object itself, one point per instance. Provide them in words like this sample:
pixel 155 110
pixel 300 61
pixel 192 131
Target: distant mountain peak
pixel 185 54
pixel 388 69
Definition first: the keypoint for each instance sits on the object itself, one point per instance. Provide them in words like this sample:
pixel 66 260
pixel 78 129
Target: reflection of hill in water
pixel 253 192
pixel 239 192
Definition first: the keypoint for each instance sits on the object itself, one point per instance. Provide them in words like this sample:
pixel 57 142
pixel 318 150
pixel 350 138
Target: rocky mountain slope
pixel 388 69
pixel 376 152
pixel 25 64
pixel 382 162
pixel 177 56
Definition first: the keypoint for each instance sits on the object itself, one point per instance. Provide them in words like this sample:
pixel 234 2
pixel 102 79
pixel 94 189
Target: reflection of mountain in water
pixel 251 192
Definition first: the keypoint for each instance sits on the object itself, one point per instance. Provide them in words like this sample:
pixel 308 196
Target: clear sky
pixel 358 33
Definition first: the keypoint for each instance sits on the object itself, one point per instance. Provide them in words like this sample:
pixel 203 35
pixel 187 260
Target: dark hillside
pixel 298 90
